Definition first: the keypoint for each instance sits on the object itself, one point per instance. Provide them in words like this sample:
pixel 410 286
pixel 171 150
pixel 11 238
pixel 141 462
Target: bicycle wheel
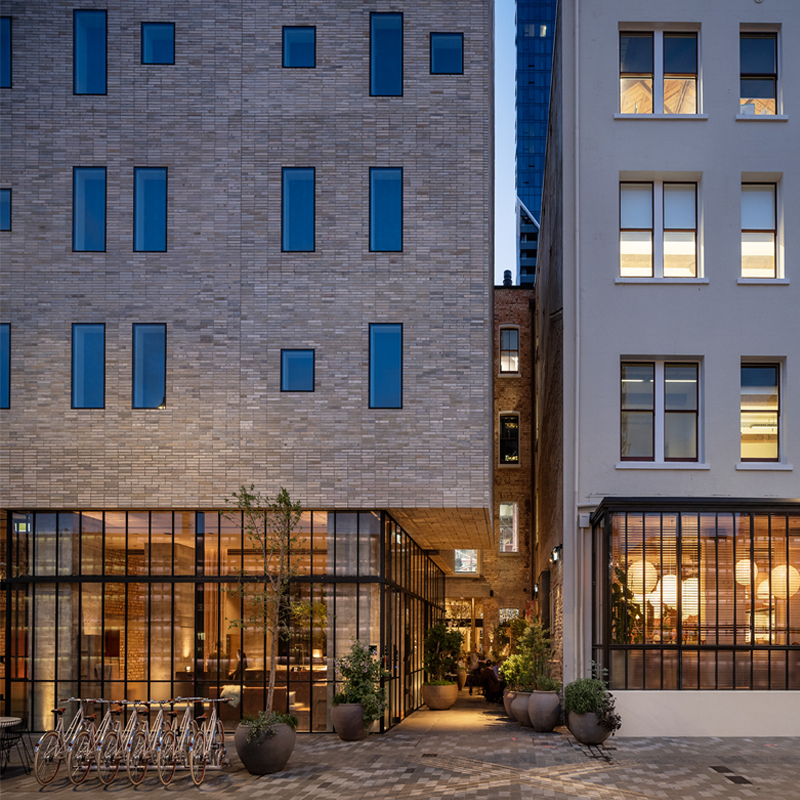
pixel 48 758
pixel 80 758
pixel 167 757
pixel 136 761
pixel 108 758
pixel 218 754
pixel 197 759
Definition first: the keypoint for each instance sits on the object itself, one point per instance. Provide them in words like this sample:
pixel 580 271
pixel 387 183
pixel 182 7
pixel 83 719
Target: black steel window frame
pixel 402 50
pixel 133 364
pixel 105 210
pixel 777 366
pixel 509 351
pixel 430 47
pixel 10 83
pixel 629 75
pixel 763 76
pixel 75 13
pixel 284 65
pixel 10 208
pixel 601 629
pixel 680 75
pixel 652 411
pixel 72 383
pixel 695 412
pixel 166 208
pixel 141 32
pixel 509 439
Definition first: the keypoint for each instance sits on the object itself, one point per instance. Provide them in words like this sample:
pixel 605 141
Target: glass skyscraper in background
pixel 535 34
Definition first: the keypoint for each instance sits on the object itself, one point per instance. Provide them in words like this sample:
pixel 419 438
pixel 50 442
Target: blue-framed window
pixel 88 365
pixel 297 209
pixel 447 53
pixel 150 209
pixel 5 365
pixel 386 54
pixel 5 52
pixel 385 209
pixel 297 370
pixel 5 209
pixel 299 46
pixel 158 43
pixel 89 52
pixel 150 365
pixel 386 365
pixel 88 209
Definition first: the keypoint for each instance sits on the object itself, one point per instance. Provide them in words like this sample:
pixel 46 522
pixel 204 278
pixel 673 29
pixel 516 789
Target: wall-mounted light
pixel 555 555
pixel 535 591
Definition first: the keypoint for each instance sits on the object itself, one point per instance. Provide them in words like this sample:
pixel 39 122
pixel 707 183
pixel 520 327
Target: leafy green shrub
pixel 590 695
pixel 261 724
pixel 544 683
pixel 442 650
pixel 361 675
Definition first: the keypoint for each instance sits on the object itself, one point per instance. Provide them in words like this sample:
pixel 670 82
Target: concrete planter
pixel 439 698
pixel 586 729
pixel 266 754
pixel 519 708
pixel 544 709
pixel 508 699
pixel 462 678
pixel 348 722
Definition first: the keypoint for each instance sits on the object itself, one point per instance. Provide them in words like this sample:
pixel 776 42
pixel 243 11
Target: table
pixel 12 734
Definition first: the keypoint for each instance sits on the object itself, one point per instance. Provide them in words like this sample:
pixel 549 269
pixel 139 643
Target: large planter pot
pixel 544 709
pixel 439 698
pixel 508 699
pixel 519 708
pixel 462 678
pixel 348 721
pixel 586 729
pixel 266 754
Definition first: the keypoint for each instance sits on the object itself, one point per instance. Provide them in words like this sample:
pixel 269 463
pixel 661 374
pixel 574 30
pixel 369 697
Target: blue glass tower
pixel 535 33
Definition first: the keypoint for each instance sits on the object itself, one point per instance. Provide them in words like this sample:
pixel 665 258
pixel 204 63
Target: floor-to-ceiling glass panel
pixel 320 543
pixel 161 543
pixel 46 544
pixel 68 544
pixel 138 543
pixel 183 639
pixel 114 546
pixel 137 640
pixel 161 621
pixel 346 534
pixel 91 543
pixel 67 663
pixel 184 543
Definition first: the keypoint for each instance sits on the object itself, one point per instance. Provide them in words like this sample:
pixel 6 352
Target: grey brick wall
pixel 224 120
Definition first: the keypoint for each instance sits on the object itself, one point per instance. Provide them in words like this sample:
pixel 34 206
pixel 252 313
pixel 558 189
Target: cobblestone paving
pixel 474 751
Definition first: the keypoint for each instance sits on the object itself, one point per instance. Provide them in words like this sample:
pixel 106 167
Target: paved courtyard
pixel 474 751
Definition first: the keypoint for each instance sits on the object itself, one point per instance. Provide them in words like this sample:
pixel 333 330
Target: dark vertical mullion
pixel 7 652
pixel 788 606
pixel 679 594
pixel 716 599
pixel 626 651
pixel 382 600
pixel 607 523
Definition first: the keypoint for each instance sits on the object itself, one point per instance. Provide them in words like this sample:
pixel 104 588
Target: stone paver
pixel 474 751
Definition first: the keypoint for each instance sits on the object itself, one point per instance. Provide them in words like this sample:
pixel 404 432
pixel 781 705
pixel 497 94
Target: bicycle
pixel 208 748
pixel 85 747
pixel 145 744
pixel 54 746
pixel 116 743
pixel 177 742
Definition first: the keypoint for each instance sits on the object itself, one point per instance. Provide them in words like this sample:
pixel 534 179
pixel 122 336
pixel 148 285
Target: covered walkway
pixel 474 751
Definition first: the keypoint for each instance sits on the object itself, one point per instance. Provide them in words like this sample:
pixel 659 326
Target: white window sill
pixel 660 280
pixel 768 466
pixel 763 281
pixel 660 116
pixel 661 465
pixel 509 374
pixel 762 117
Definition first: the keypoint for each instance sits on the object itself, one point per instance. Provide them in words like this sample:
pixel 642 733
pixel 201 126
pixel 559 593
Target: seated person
pixel 492 689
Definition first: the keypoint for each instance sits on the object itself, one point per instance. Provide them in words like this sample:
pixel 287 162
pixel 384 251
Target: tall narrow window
pixel 385 209
pixel 386 54
pixel 636 230
pixel 636 73
pixel 5 365
pixel 680 73
pixel 299 46
pixel 298 209
pixel 5 209
pixel 759 230
pixel 680 230
pixel 508 528
pixel 158 43
pixel 509 350
pixel 89 209
pixel 150 366
pixel 386 365
pixel 760 412
pixel 447 53
pixel 150 209
pixel 88 365
pixel 89 52
pixel 509 440
pixel 758 60
pixel 680 412
pixel 637 428
pixel 297 370
pixel 5 52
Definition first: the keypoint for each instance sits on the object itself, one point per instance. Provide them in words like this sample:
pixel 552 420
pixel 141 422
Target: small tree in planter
pixel 442 649
pixel 361 697
pixel 265 742
pixel 590 708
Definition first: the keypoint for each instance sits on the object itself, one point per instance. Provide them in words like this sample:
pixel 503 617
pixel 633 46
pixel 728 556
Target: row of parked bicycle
pixel 166 743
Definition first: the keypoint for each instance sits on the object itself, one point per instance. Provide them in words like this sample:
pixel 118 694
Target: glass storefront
pixel 697 595
pixel 138 605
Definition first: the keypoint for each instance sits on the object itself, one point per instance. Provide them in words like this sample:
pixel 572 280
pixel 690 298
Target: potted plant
pixel 544 704
pixel 591 716
pixel 361 698
pixel 510 671
pixel 442 648
pixel 265 742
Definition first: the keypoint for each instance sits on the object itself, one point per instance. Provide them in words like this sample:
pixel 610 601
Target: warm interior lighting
pixel 763 590
pixel 743 569
pixel 669 590
pixel 642 577
pixel 779 577
pixel 690 597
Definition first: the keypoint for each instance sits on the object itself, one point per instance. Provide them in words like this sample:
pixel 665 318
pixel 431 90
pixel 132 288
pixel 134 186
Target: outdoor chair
pixel 15 737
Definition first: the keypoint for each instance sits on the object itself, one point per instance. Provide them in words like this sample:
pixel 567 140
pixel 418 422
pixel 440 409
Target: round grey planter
pixel 462 678
pixel 519 707
pixel 508 699
pixel 348 722
pixel 586 729
pixel 266 754
pixel 439 698
pixel 544 709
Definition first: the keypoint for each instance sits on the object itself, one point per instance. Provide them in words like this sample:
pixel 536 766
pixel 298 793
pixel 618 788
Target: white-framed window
pixel 658 72
pixel 509 538
pixel 509 350
pixel 660 411
pixel 466 562
pixel 760 230
pixel 658 229
pixel 760 411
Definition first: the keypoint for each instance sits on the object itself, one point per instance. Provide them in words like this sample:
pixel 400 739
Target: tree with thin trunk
pixel 269 525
